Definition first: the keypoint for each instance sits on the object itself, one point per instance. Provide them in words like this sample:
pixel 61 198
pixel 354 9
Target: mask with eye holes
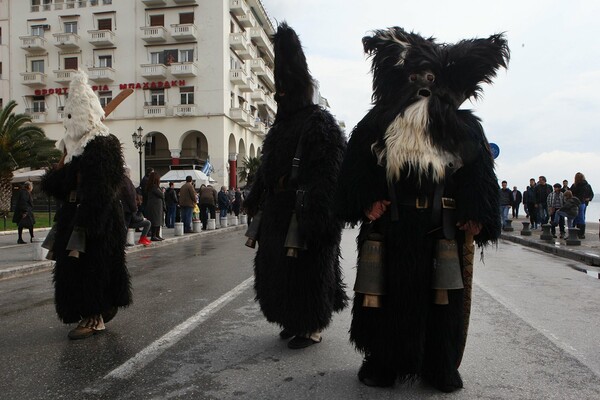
pixel 418 87
pixel 83 116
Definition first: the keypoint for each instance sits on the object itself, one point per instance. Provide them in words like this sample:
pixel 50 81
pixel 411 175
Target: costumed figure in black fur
pixel 298 278
pixel 90 276
pixel 419 175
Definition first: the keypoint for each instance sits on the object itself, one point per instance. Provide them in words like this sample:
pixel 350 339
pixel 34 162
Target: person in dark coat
pixel 172 202
pixel 90 275
pixel 432 192
pixel 583 191
pixel 223 202
pixel 23 215
pixel 298 291
pixel 237 202
pixel 516 199
pixel 131 217
pixel 155 206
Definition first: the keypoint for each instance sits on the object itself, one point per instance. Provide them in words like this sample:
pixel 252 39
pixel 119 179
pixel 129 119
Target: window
pixel 157 20
pixel 186 55
pixel 37 66
pixel 105 61
pixel 186 18
pixel 157 58
pixel 71 27
pixel 37 30
pixel 105 98
pixel 71 62
pixel 105 24
pixel 39 104
pixel 187 95
pixel 157 97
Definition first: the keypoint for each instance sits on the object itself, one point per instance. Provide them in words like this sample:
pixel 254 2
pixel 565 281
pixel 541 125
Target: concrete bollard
pixel 38 253
pixel 211 224
pixel 508 226
pixel 526 231
pixel 234 221
pixel 130 237
pixel 197 226
pixel 573 239
pixel 546 234
pixel 244 219
pixel 178 229
pixel 224 222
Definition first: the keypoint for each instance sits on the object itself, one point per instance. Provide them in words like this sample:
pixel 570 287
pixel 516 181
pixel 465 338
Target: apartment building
pixel 201 70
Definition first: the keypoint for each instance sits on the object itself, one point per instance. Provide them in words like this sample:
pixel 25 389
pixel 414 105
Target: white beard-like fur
pixel 408 147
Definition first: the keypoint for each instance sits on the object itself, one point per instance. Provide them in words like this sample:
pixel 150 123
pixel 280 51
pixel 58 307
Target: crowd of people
pixel 545 204
pixel 149 207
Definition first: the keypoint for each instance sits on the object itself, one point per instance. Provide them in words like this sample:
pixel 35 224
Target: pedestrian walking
pixel 172 201
pixel 23 215
pixel 187 200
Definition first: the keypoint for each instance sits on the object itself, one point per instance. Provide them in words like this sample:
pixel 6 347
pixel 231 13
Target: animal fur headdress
pixel 294 86
pixel 83 116
pixel 418 87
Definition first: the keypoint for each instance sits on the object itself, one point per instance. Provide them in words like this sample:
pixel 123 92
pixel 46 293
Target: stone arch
pixel 194 148
pixel 241 151
pixel 232 145
pixel 156 152
pixel 252 151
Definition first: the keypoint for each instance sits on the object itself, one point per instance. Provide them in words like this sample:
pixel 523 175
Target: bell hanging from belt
pixel 370 273
pixel 294 242
pixel 447 274
pixel 252 231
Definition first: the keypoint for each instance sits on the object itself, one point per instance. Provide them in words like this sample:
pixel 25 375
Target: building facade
pixel 201 73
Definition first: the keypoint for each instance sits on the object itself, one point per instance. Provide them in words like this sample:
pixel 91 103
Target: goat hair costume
pixel 298 293
pixel 87 187
pixel 416 149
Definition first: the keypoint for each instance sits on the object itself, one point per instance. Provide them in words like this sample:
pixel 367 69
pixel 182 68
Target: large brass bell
pixel 294 242
pixel 447 274
pixel 252 231
pixel 370 279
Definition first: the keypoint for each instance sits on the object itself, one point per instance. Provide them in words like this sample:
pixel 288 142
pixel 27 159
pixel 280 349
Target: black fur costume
pixel 418 87
pixel 301 293
pixel 98 280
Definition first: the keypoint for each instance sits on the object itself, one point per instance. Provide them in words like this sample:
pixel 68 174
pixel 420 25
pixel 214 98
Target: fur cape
pixel 98 280
pixel 301 293
pixel 404 144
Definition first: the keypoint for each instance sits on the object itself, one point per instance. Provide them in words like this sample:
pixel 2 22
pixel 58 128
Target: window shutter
pixel 186 18
pixel 157 20
pixel 105 24
pixel 71 63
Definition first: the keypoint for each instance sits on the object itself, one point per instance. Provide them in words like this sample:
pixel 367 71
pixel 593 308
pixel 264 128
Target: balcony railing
pixel 184 69
pixel 64 75
pixel 238 7
pixel 66 40
pixel 238 77
pixel 37 117
pixel 247 20
pixel 33 78
pixel 258 96
pixel 153 34
pixel 185 110
pixel 259 128
pixel 184 32
pixel 155 111
pixel 184 1
pixel 154 71
pixel 241 116
pixel 102 74
pixel 153 3
pixel 238 41
pixel 271 104
pixel 260 37
pixel 33 43
pixel 102 38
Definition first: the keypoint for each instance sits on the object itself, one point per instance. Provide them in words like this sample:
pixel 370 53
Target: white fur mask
pixel 83 116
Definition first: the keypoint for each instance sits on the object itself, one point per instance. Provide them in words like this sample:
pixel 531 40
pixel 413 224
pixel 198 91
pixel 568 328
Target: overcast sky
pixel 542 112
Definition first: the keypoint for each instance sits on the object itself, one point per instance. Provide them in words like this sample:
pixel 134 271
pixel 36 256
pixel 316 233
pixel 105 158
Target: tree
pixel 22 144
pixel 249 168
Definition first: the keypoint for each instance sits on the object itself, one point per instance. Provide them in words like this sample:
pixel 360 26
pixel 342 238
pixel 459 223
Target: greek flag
pixel 208 168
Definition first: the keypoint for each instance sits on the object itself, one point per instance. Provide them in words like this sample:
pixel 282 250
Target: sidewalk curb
pixel 35 230
pixel 42 266
pixel 572 252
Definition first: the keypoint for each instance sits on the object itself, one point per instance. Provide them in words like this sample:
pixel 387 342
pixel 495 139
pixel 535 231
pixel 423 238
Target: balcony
pixel 238 41
pixel 257 65
pixel 66 40
pixel 102 38
pixel 184 1
pixel 154 34
pixel 153 3
pixel 33 43
pixel 258 96
pixel 247 21
pixel 241 116
pixel 154 71
pixel 60 113
pixel 184 32
pixel 184 69
pixel 270 104
pixel 249 53
pixel 238 7
pixel 64 75
pixel 247 87
pixel 259 36
pixel 101 74
pixel 238 77
pixel 259 128
pixel 185 110
pixel 37 117
pixel 33 79
pixel 155 111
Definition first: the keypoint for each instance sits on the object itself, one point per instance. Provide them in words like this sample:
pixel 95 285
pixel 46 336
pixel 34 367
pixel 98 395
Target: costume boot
pixel 374 371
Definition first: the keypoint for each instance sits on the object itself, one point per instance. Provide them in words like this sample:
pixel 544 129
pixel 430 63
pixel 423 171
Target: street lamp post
pixel 139 143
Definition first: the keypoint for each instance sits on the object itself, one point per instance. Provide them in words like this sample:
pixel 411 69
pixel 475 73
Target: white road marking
pixel 147 355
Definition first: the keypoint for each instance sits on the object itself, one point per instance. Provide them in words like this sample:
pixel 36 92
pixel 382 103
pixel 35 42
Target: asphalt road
pixel 195 332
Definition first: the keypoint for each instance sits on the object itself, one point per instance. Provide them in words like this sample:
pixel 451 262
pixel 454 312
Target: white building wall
pixel 212 114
